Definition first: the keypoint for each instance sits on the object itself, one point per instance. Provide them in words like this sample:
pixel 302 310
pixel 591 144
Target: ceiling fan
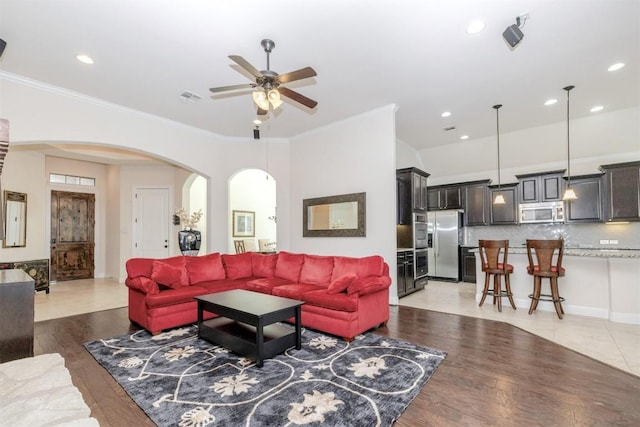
pixel 269 83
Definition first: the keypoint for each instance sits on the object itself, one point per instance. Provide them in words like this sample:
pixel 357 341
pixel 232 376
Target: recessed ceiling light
pixel 597 108
pixel 445 114
pixel 475 27
pixel 85 59
pixel 257 122
pixel 464 137
pixel 616 66
pixel 550 101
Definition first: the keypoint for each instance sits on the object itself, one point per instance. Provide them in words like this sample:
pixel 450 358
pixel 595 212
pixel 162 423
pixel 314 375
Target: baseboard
pixel 631 318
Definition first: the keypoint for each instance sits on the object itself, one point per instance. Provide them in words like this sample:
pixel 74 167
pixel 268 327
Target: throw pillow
pixel 341 284
pixel 169 275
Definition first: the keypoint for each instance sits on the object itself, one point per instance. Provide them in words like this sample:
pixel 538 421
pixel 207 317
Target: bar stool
pixel 494 254
pixel 546 251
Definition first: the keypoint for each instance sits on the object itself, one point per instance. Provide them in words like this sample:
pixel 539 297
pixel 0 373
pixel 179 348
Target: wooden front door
pixel 72 235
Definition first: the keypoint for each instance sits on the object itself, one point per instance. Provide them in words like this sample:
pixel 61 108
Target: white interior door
pixel 151 222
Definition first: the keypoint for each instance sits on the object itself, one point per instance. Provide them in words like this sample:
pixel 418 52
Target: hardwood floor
pixel 495 374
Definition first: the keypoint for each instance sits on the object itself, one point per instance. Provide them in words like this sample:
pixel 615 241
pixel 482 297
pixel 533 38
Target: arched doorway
pixel 252 195
pixel 194 198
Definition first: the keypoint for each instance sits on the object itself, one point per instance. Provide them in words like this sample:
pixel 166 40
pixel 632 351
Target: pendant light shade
pixel 569 194
pixel 499 199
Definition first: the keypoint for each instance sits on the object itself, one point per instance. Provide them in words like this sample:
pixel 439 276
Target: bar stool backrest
pixel 548 257
pixel 494 255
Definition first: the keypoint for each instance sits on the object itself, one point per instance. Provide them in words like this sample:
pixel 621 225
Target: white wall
pixel 42 113
pixel 407 156
pixel 23 172
pixel 351 156
pixel 595 140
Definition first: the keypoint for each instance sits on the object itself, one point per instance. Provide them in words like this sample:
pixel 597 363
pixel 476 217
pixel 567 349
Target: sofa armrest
pixel 143 284
pixel 369 285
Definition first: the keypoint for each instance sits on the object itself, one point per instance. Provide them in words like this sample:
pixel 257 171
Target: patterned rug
pixel 180 380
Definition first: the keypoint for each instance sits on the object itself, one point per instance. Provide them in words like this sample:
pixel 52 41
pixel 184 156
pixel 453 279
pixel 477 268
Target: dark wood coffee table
pixel 246 323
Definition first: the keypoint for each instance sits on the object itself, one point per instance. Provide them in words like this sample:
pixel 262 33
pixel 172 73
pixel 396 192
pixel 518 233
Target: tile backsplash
pixel 575 235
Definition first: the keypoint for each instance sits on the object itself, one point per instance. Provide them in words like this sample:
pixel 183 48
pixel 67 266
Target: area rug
pixel 181 380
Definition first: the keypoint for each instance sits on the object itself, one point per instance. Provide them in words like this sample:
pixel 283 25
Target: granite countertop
pixel 404 249
pixel 588 252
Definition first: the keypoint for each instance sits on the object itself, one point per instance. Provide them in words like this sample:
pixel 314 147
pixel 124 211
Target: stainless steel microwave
pixel 541 212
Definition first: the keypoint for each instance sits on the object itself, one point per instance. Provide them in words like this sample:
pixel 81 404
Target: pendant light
pixel 569 194
pixel 499 199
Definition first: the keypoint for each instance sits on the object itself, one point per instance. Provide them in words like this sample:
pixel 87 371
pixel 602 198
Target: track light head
pixel 256 133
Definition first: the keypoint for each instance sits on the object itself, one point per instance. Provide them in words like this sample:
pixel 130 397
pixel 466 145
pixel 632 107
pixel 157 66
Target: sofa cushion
pixel 205 268
pixel 362 267
pixel 169 275
pixel 264 265
pixel 368 285
pixel 266 285
pixel 316 269
pixel 237 266
pixel 295 291
pixel 289 265
pixel 222 285
pixel 174 296
pixel 341 284
pixel 340 302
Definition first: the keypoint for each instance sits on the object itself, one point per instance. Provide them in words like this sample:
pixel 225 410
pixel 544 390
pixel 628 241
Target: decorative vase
pixel 189 241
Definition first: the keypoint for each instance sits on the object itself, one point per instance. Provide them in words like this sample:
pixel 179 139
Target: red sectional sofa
pixel 343 296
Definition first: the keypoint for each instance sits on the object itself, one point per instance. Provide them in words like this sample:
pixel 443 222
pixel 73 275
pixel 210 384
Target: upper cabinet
pixel 411 189
pixel 588 206
pixel 445 197
pixel 476 201
pixel 621 191
pixel 541 187
pixel 507 213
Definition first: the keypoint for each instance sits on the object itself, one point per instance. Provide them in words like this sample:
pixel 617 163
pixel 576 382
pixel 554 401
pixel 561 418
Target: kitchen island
pixel 601 283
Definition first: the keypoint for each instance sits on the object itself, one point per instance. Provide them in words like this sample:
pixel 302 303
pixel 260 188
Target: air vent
pixel 448 128
pixel 187 96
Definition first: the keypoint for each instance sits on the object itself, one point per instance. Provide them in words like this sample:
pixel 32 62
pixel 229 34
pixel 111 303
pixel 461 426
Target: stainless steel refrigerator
pixel 444 231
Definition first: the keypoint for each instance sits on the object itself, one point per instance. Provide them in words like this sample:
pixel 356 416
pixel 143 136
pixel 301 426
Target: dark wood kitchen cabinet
pixel 467 264
pixel 507 213
pixel 403 201
pixel 444 197
pixel 414 191
pixel 541 187
pixel 476 201
pixel 621 191
pixel 405 277
pixel 588 206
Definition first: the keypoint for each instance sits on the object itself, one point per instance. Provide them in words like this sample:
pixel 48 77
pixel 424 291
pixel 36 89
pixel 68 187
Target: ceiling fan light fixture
pixel 260 98
pixel 274 98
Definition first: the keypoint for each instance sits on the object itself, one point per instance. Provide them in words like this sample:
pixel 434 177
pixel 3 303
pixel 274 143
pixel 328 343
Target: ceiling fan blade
pixel 300 74
pixel 232 87
pixel 244 64
pixel 262 112
pixel 298 97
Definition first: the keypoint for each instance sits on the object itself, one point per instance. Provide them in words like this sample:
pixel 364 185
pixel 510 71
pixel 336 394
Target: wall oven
pixel 541 212
pixel 420 233
pixel 420 263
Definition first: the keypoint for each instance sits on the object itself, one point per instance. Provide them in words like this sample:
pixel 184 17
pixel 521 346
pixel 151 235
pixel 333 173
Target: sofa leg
pixel 347 339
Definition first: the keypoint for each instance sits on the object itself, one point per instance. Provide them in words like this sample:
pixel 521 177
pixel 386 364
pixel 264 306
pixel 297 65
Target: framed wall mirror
pixel 15 209
pixel 335 216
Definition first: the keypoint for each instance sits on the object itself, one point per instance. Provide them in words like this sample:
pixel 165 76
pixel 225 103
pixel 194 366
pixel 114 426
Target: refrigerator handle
pixel 435 239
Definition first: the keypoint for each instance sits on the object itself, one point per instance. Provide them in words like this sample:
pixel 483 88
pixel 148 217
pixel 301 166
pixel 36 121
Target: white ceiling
pixel 367 53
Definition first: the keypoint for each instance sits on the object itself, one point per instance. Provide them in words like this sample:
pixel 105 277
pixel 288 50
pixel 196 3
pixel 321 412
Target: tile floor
pixel 616 344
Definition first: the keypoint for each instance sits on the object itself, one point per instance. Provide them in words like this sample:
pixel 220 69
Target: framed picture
pixel 244 223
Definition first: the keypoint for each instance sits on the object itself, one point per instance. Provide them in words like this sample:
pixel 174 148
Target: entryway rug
pixel 181 380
